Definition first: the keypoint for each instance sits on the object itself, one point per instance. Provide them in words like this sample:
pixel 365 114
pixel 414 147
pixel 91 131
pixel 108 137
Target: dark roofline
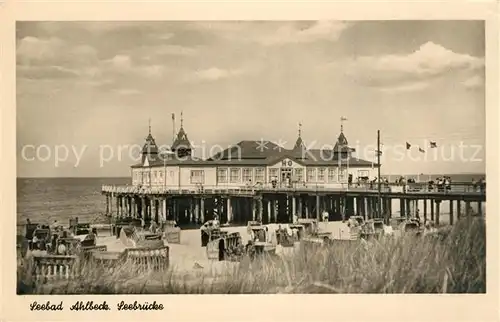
pixel 259 162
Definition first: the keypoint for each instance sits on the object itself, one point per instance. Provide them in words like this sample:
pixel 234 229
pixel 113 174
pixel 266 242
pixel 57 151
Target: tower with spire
pixel 342 148
pixel 299 146
pixel 150 149
pixel 182 146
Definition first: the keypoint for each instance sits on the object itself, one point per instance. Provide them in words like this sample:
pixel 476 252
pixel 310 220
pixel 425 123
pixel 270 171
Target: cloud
pixel 33 50
pixel 274 33
pixel 157 52
pixel 475 81
pixel 45 72
pixel 290 33
pixel 215 74
pixel 412 87
pixel 429 62
pixel 123 64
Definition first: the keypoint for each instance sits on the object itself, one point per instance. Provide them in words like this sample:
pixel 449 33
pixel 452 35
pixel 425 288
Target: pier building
pixel 261 180
pixel 251 163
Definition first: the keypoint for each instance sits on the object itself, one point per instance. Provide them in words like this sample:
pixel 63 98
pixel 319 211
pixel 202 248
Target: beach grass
pixel 453 262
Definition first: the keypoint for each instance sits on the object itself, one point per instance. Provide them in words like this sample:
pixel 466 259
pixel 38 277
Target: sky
pixel 87 91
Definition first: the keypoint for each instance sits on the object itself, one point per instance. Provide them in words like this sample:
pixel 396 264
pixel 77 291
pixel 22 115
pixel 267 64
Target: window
pixel 299 175
pixel 247 175
pixel 259 175
pixel 321 174
pixel 332 175
pixel 273 174
pixel 222 175
pixel 363 173
pixel 311 175
pixel 342 174
pixel 235 175
pixel 197 176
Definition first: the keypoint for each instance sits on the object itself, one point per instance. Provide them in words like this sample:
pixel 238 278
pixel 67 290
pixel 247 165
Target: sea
pixel 44 200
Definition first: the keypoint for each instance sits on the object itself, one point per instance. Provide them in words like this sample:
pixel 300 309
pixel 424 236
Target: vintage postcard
pixel 156 155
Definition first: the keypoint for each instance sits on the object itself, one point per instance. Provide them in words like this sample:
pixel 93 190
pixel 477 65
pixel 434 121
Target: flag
pixel 421 150
pixel 408 146
pixel 378 152
pixel 173 116
pixel 343 118
pixel 433 145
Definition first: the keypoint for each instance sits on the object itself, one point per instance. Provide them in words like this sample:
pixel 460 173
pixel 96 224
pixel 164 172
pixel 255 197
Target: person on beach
pixel 54 225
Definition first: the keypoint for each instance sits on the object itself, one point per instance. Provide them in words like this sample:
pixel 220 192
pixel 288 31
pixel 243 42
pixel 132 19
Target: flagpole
pixel 378 176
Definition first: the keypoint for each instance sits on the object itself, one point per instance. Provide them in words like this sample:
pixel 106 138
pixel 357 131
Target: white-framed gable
pixel 286 163
pixel 146 162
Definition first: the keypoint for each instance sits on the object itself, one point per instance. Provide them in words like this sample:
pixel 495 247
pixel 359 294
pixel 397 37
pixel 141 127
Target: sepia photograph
pixel 251 157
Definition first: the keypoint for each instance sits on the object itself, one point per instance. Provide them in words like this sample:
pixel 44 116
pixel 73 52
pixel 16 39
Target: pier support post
pixel 269 213
pixel 143 208
pixel 432 209
pixel 117 206
pixel 480 208
pixel 111 205
pixel 254 211
pixel 202 210
pixel 306 202
pixel 318 210
pixel 425 210
pixel 261 208
pixel 165 209
pixel 294 208
pixel 389 207
pixel 438 204
pixel 402 204
pixel 153 209
pixel 300 210
pixel 458 210
pixel 451 212
pixel 196 211
pixel 229 210
pixel 107 204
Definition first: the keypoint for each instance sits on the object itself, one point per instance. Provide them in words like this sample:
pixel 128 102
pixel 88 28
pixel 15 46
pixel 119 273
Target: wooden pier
pixel 237 206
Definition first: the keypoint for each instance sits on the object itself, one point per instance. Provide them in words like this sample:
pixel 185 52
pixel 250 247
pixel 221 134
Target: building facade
pixel 250 164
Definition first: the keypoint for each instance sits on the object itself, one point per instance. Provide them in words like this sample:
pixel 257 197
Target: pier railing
pixel 421 187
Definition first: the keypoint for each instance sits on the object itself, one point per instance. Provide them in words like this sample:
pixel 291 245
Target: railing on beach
pixel 53 267
pixel 421 187
pixel 63 267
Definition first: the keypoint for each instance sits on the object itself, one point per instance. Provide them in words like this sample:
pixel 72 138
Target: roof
pixel 150 145
pixel 250 149
pixel 181 141
pixel 262 153
pixel 342 145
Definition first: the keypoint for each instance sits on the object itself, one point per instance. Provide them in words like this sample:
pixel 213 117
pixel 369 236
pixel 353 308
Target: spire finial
pixel 149 125
pixel 342 119
pixel 300 129
pixel 182 119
